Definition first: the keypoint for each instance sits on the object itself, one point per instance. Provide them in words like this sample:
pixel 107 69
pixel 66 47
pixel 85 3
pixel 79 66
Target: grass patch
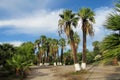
pixel 75 75
pixel 80 72
pixel 9 77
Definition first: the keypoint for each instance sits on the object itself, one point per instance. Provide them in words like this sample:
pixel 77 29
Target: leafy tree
pixel 6 52
pixel 87 17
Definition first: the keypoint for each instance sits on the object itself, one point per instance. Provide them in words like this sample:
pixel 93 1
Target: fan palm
pixel 62 43
pixel 111 43
pixel 66 21
pixel 87 17
pixel 20 63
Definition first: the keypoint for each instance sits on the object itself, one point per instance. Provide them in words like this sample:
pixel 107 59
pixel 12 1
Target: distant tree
pixel 6 52
pixel 96 47
pixel 67 57
pixel 62 44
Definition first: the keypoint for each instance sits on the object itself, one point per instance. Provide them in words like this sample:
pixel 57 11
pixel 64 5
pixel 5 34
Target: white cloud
pixel 45 21
pixel 14 43
pixel 101 15
pixel 38 22
pixel 100 18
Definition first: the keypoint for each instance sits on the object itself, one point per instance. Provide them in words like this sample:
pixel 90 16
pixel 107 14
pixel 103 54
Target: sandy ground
pixel 65 73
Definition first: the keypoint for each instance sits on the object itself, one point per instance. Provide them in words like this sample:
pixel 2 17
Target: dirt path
pixel 41 73
pixel 61 73
pixel 103 73
pixel 49 72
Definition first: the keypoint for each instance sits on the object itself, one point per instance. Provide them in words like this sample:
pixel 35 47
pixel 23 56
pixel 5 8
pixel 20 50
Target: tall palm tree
pixel 48 45
pixel 87 17
pixel 66 21
pixel 42 48
pixel 55 49
pixel 43 39
pixel 62 43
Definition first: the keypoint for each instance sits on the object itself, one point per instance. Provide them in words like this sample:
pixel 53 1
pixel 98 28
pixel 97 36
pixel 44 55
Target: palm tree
pixel 20 63
pixel 77 40
pixel 62 43
pixel 55 50
pixel 87 17
pixel 43 40
pixel 111 43
pixel 48 45
pixel 66 21
pixel 96 48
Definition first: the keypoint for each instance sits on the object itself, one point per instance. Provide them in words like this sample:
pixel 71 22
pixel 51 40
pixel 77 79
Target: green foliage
pixel 62 42
pixel 20 62
pixel 96 48
pixel 67 58
pixel 23 58
pixel 6 52
pixel 112 23
pixel 68 19
pixel 90 57
pixel 111 43
pixel 87 16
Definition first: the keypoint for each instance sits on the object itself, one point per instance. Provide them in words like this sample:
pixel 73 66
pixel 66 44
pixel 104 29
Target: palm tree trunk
pixel 115 61
pixel 48 55
pixel 61 55
pixel 55 59
pixel 74 51
pixel 84 47
pixel 39 58
pixel 76 64
pixel 17 72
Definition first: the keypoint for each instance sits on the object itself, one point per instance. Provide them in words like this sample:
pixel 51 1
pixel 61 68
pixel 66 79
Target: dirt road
pixel 59 73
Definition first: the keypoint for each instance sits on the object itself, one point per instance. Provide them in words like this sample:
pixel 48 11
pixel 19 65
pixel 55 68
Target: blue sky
pixel 26 20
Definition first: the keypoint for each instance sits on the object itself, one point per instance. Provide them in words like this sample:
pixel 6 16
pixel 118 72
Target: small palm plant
pixel 20 64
